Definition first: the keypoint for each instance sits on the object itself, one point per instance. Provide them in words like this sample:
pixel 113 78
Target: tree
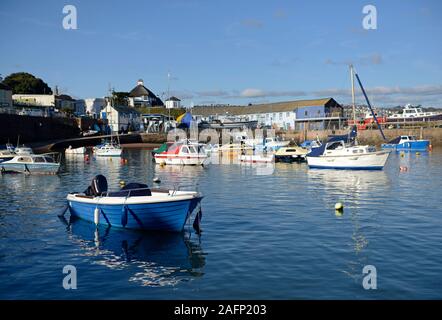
pixel 120 98
pixel 26 83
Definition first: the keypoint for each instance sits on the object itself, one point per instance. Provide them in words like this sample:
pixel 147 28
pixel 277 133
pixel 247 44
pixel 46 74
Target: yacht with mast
pixel 343 151
pixel 109 148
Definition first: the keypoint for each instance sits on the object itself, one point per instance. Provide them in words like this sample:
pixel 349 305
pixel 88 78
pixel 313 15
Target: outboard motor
pixel 98 186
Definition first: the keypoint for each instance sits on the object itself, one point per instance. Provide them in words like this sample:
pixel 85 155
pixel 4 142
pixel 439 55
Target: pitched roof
pixel 125 109
pixel 140 90
pixel 259 108
pixel 173 99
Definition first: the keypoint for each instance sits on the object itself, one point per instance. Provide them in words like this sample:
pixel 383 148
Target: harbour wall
pixel 372 136
pixel 32 129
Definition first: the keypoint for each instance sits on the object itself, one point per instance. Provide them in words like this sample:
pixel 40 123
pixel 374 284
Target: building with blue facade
pixel 319 115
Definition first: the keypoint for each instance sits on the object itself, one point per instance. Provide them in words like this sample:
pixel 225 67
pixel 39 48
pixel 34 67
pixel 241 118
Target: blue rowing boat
pixel 136 206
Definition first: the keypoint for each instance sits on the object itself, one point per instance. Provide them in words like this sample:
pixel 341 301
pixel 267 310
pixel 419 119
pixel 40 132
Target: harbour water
pixel 264 236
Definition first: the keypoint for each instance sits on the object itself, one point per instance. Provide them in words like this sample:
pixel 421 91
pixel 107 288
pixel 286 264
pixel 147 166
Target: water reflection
pixel 358 190
pixel 153 259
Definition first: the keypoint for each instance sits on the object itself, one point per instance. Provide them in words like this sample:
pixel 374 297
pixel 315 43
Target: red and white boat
pixel 182 154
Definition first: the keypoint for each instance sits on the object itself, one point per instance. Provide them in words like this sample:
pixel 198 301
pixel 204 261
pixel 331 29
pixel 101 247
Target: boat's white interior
pixel 162 196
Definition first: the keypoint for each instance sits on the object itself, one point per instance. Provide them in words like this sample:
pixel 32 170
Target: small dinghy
pixel 135 206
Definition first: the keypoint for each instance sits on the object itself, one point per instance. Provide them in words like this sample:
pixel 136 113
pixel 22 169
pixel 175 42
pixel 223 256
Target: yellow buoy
pixel 339 206
pixel 122 182
pixel 402 154
pixel 418 153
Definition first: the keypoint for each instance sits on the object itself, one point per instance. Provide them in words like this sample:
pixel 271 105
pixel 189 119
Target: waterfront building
pixel 5 96
pixel 319 115
pixel 140 96
pixel 60 102
pixel 173 102
pixel 287 115
pixel 93 106
pixel 121 118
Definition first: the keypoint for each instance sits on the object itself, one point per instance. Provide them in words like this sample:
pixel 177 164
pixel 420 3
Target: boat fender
pixel 430 147
pixel 96 216
pixel 122 183
pixel 403 168
pixel 124 216
pixel 418 153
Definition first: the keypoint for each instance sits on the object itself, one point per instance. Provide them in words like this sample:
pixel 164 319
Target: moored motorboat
pixel 6 154
pixel 342 152
pixel 181 154
pixel 412 113
pixel 135 206
pixel 80 150
pixel 108 150
pixel 405 143
pixel 291 154
pixel 23 150
pixel 31 164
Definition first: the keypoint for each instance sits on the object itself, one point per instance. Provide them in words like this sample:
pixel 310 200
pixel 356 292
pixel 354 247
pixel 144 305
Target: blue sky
pixel 234 52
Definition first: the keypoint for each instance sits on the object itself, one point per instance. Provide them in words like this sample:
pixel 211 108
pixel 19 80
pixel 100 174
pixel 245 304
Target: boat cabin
pixel 34 159
pixel 334 146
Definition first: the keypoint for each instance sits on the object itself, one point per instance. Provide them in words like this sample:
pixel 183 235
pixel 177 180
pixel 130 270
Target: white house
pixel 173 102
pixel 140 96
pixel 5 96
pixel 121 117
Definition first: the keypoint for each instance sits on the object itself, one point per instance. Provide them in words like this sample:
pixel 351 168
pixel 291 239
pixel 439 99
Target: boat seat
pixel 135 190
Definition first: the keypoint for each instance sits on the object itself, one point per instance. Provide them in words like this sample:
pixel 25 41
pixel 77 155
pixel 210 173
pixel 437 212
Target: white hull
pixel 81 150
pixel 366 161
pixel 108 153
pixel 181 160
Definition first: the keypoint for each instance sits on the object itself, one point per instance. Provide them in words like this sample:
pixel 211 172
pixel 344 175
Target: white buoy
pixel 156 180
pixel 339 206
pixel 97 216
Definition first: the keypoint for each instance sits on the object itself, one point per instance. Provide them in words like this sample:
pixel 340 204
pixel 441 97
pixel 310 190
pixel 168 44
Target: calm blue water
pixel 265 236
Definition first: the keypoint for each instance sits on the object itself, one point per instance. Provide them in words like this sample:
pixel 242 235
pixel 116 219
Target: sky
pixel 229 52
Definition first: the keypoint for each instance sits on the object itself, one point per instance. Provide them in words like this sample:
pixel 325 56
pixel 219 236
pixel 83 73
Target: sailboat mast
pixel 353 93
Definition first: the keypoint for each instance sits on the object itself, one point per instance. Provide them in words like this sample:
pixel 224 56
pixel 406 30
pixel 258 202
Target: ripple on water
pixel 274 236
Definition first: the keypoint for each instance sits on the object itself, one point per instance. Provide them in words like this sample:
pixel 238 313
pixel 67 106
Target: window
pixel 334 146
pixel 39 159
pixel 184 150
pixel 306 113
pixel 192 149
pixel 288 114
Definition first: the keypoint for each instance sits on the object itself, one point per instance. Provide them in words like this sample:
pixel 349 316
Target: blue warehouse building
pixel 319 114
